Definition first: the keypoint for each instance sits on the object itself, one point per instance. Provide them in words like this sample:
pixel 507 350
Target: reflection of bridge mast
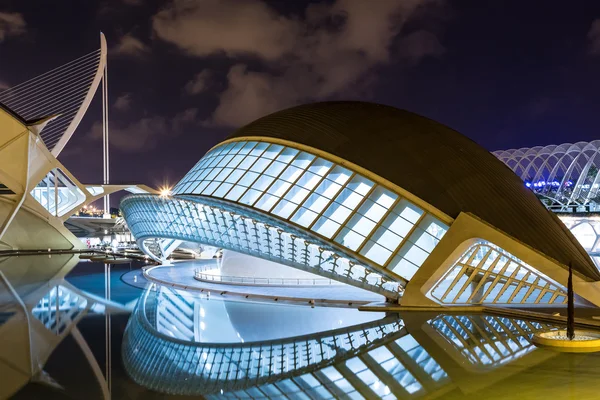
pixel 105 148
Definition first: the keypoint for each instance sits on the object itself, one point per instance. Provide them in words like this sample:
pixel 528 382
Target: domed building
pixel 374 197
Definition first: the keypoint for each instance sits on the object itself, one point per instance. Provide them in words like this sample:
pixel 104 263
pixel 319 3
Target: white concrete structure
pixel 37 118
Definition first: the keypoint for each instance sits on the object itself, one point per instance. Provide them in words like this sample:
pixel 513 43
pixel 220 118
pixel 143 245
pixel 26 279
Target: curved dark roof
pixel 432 161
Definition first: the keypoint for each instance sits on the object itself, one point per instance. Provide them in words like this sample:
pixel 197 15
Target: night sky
pixel 183 74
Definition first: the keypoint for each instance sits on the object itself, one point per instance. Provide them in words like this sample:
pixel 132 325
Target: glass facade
pixel 487 274
pixel 57 193
pixel 186 219
pixel 321 196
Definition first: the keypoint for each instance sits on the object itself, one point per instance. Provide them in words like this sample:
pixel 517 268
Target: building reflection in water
pixel 388 357
pixel 38 310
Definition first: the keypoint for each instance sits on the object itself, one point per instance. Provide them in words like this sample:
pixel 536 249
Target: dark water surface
pixel 169 343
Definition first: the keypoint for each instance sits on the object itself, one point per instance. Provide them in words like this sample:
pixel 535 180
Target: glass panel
pixel 349 198
pixel 296 194
pixel 362 225
pixel 308 180
pixel 287 155
pixel 349 238
pixel 250 196
pixel 284 209
pixel 376 253
pixel 402 267
pixel 303 160
pixel 339 175
pixel 279 188
pixel 337 212
pixel 360 185
pixel 291 173
pixel 304 217
pixel 326 227
pixel 275 169
pixel 259 149
pixel 316 203
pixel 383 197
pixel 260 165
pixel 320 166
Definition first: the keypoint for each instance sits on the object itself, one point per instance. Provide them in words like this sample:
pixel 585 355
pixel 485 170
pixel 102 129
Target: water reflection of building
pixel 38 310
pixel 373 197
pixel 423 354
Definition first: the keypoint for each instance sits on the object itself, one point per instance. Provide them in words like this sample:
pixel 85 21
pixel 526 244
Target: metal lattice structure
pixel 564 176
pixel 65 91
pixel 486 274
pixel 224 226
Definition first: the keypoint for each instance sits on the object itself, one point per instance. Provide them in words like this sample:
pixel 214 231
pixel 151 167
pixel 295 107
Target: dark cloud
pixel 11 24
pixel 199 83
pixel 594 37
pixel 131 46
pixel 331 50
pixel 123 102
pixel 145 134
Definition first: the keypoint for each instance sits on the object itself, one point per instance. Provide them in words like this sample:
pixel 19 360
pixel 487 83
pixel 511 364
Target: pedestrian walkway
pixel 181 274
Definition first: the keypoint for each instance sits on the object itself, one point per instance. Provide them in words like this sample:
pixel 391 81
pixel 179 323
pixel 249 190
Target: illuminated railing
pixel 258 281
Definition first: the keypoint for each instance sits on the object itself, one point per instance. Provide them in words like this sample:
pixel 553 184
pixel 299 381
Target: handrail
pixel 259 281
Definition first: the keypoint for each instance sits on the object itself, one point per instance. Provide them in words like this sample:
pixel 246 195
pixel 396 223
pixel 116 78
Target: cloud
pixel 123 102
pixel 594 38
pixel 199 83
pixel 11 24
pixel 420 44
pixel 233 27
pixel 131 46
pixel 132 2
pixel 147 132
pixel 331 50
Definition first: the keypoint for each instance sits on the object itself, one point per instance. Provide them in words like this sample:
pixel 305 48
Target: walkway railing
pixel 258 281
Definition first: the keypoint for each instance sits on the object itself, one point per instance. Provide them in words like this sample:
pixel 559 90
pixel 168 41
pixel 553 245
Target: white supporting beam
pixel 168 246
pixel 105 142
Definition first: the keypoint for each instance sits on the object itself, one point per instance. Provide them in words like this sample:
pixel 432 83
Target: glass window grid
pixel 370 204
pixel 501 279
pixel 196 222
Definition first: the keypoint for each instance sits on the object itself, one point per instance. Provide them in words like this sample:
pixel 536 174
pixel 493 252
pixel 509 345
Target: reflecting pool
pixel 72 329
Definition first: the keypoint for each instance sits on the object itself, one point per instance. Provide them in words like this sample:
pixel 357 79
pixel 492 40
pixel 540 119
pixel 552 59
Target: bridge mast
pixel 105 144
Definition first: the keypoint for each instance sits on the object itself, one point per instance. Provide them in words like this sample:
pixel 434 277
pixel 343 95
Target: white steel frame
pixel 567 174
